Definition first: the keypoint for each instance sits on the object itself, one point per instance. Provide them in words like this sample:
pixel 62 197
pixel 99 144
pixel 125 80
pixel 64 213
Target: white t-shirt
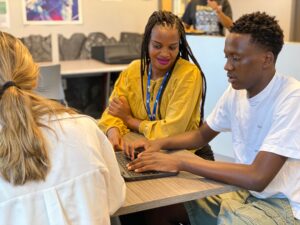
pixel 269 121
pixel 84 185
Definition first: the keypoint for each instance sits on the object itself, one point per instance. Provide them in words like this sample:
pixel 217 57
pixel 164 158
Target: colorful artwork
pixel 4 15
pixel 52 11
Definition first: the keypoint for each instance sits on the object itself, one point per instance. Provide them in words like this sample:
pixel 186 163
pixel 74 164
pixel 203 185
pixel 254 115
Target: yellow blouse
pixel 180 102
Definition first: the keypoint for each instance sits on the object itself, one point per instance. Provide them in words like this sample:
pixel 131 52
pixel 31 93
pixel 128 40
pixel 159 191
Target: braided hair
pixel 165 18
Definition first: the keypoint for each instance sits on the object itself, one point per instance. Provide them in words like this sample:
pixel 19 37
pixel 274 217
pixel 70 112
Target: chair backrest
pixel 70 48
pixel 50 83
pixel 39 46
pixel 134 40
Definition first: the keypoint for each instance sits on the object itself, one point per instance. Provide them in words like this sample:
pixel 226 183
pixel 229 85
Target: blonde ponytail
pixel 23 152
pixel 23 148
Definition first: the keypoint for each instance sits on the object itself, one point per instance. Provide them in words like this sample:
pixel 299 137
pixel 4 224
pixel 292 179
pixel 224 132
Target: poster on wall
pixel 52 12
pixel 4 14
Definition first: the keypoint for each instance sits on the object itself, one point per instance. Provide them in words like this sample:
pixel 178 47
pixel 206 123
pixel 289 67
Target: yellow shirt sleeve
pixel 108 121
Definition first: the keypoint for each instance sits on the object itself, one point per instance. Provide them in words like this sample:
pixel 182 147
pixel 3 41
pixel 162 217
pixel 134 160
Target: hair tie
pixel 7 85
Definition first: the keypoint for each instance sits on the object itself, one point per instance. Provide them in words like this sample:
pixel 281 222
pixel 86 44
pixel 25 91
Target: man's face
pixel 245 63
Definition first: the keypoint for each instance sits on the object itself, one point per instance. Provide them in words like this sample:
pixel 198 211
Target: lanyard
pixel 152 116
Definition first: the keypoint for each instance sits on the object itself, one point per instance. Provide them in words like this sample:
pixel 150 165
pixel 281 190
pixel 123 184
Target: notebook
pixel 123 160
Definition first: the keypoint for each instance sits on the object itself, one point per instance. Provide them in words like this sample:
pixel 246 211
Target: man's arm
pixel 188 140
pixel 225 20
pixel 187 27
pixel 255 176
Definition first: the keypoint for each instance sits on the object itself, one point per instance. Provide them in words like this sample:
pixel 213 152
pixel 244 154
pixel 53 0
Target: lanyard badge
pixel 152 116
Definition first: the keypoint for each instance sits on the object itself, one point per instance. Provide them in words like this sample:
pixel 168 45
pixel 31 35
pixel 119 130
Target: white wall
pixel 282 9
pixel 209 53
pixel 112 17
pixel 109 17
pixel 208 50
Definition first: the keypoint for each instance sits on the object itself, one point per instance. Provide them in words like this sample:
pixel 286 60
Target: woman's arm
pixel 188 140
pixel 107 120
pixel 119 107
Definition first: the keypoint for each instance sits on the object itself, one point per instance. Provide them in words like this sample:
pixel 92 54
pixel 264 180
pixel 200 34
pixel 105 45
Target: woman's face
pixel 163 48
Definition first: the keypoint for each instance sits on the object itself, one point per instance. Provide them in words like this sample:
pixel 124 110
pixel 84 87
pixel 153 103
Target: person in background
pixel 261 108
pixel 56 166
pixel 207 16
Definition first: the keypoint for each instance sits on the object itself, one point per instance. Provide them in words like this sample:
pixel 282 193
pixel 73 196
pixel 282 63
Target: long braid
pixel 186 53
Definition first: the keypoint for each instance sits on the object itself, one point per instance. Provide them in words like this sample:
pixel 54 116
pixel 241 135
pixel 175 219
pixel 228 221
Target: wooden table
pixel 148 194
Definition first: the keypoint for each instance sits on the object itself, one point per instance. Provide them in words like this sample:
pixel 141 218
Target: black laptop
pixel 123 160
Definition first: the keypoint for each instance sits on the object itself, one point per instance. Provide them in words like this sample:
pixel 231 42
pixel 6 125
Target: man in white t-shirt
pixel 261 108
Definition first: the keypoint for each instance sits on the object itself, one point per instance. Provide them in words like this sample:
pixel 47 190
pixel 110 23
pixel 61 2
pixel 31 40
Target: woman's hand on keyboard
pixel 132 149
pixel 129 149
pixel 115 138
pixel 147 145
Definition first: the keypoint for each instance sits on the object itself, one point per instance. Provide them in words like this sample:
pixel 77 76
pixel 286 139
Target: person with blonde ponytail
pixel 56 166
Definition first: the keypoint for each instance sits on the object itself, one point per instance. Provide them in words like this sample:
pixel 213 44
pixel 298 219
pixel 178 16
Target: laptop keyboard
pixel 124 160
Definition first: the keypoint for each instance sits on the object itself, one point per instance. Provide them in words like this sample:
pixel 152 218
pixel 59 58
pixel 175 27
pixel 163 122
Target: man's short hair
pixel 264 30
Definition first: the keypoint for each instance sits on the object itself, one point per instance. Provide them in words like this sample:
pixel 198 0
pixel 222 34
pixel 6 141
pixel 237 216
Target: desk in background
pixel 149 194
pixel 89 68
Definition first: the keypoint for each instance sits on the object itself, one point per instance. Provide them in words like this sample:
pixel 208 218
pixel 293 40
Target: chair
pixel 39 46
pixel 134 40
pixel 50 83
pixel 70 48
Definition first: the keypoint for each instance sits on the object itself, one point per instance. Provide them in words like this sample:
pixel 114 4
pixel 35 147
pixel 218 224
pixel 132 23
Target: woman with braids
pixel 53 162
pixel 161 94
